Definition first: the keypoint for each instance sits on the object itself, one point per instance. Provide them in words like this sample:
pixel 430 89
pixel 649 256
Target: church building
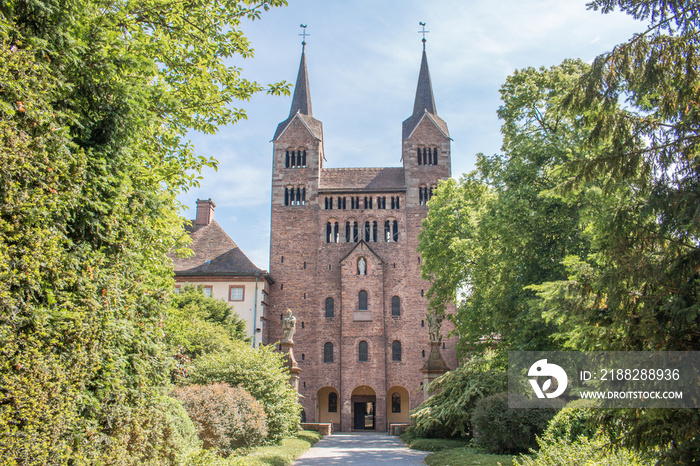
pixel 343 258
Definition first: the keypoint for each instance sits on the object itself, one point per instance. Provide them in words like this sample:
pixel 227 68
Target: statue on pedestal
pixel 289 326
pixel 434 323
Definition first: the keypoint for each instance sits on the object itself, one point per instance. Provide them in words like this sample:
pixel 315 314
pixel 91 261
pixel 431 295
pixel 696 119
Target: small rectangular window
pixel 236 293
pixel 207 291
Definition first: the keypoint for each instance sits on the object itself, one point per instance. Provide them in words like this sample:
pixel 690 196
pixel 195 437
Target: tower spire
pixel 424 102
pixel 301 102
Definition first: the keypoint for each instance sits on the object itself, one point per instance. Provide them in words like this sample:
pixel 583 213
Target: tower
pixel 343 257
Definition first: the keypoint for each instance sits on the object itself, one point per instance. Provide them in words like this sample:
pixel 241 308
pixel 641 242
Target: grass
pixel 278 455
pixel 455 452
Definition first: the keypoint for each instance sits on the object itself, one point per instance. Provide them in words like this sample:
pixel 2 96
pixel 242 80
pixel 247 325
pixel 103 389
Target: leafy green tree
pixel 503 227
pixel 95 98
pixel 198 324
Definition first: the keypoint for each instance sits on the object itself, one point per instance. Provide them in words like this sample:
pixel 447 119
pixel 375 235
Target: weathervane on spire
pixel 303 34
pixel 424 32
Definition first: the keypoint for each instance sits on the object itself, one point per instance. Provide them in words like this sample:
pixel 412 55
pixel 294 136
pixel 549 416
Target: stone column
pixel 433 368
pixel 289 361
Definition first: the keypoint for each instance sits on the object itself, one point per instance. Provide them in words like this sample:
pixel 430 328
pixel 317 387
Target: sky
pixel 363 58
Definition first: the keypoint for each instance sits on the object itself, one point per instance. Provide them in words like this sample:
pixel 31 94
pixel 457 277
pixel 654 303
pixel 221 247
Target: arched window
pixel 362 299
pixel 328 352
pixel 286 159
pixel 330 307
pixel 420 156
pixel 435 156
pixel 395 403
pixel 355 232
pixel 395 306
pixel 303 159
pixel 367 232
pixel 332 402
pixel 387 231
pixel 396 231
pixel 362 352
pixel 374 231
pixel 396 350
pixel 329 232
pixel 286 196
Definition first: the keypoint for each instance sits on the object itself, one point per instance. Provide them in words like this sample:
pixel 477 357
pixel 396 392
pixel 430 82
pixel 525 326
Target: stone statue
pixel 289 326
pixel 362 266
pixel 434 323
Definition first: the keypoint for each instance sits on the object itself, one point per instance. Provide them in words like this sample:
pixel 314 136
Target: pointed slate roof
pixel 301 105
pixel 215 253
pixel 424 104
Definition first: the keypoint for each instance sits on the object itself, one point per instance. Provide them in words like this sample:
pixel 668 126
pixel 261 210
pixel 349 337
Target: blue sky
pixel 363 58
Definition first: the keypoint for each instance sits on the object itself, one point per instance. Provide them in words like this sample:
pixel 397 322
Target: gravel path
pixel 360 449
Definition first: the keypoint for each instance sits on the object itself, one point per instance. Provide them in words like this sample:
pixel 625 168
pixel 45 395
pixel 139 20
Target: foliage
pixel 432 444
pixel 585 451
pixel 573 421
pixel 280 455
pixel 447 413
pixel 500 429
pixel 467 456
pixel 95 97
pixel 260 371
pixel 199 324
pixel 502 228
pixel 227 418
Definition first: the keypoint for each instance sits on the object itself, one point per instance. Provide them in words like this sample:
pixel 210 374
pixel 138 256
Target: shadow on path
pixel 360 449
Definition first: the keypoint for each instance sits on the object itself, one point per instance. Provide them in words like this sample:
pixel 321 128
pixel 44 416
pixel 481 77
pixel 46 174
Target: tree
pixel 503 227
pixel 95 98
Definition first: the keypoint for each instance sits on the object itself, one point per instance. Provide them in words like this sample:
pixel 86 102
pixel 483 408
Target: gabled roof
pixel 314 126
pixel 387 179
pixel 424 103
pixel 215 253
pixel 361 242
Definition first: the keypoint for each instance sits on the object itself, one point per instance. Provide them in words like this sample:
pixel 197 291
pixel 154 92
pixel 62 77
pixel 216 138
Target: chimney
pixel 205 212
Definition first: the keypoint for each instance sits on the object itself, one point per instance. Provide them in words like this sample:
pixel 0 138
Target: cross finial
pixel 424 32
pixel 303 34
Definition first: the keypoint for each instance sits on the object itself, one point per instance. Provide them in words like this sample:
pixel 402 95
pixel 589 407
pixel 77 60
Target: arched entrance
pixel 328 406
pixel 397 405
pixel 363 401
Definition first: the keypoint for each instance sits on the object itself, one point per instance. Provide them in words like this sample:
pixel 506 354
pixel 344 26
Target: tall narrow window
pixel 367 232
pixel 396 350
pixel 362 300
pixel 329 232
pixel 336 233
pixel 374 231
pixel 330 307
pixel 420 156
pixel 303 196
pixel 303 159
pixel 286 159
pixel 387 231
pixel 298 196
pixel 396 231
pixel 348 238
pixel 298 158
pixel 355 232
pixel 398 206
pixel 286 196
pixel 332 402
pixel 328 352
pixel 395 306
pixel 330 203
pixel 362 352
pixel 435 156
pixel 395 403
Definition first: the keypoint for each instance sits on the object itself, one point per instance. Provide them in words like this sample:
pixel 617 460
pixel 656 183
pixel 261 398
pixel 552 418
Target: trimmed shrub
pixel 261 373
pixel 572 422
pixel 504 430
pixel 447 413
pixel 583 451
pixel 227 418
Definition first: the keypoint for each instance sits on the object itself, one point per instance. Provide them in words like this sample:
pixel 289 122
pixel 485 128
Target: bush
pixel 261 373
pixel 447 413
pixel 572 422
pixel 504 430
pixel 583 451
pixel 227 418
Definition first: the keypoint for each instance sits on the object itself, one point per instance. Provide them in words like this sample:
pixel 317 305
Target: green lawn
pixel 278 455
pixel 448 452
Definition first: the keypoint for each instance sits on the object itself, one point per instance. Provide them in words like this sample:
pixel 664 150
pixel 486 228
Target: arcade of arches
pixel 363 406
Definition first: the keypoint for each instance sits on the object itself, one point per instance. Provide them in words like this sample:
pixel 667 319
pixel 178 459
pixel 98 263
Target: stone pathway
pixel 359 448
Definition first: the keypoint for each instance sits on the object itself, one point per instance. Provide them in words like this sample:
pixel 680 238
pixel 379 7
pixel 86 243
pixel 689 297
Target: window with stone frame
pixel 332 402
pixel 396 350
pixel 395 306
pixel 236 293
pixel 395 403
pixel 362 300
pixel 363 351
pixel 328 352
pixel 330 308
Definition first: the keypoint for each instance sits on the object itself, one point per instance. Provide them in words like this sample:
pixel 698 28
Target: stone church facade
pixel 343 257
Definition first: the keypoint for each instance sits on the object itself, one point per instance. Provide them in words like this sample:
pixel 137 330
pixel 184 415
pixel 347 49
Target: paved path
pixel 361 449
